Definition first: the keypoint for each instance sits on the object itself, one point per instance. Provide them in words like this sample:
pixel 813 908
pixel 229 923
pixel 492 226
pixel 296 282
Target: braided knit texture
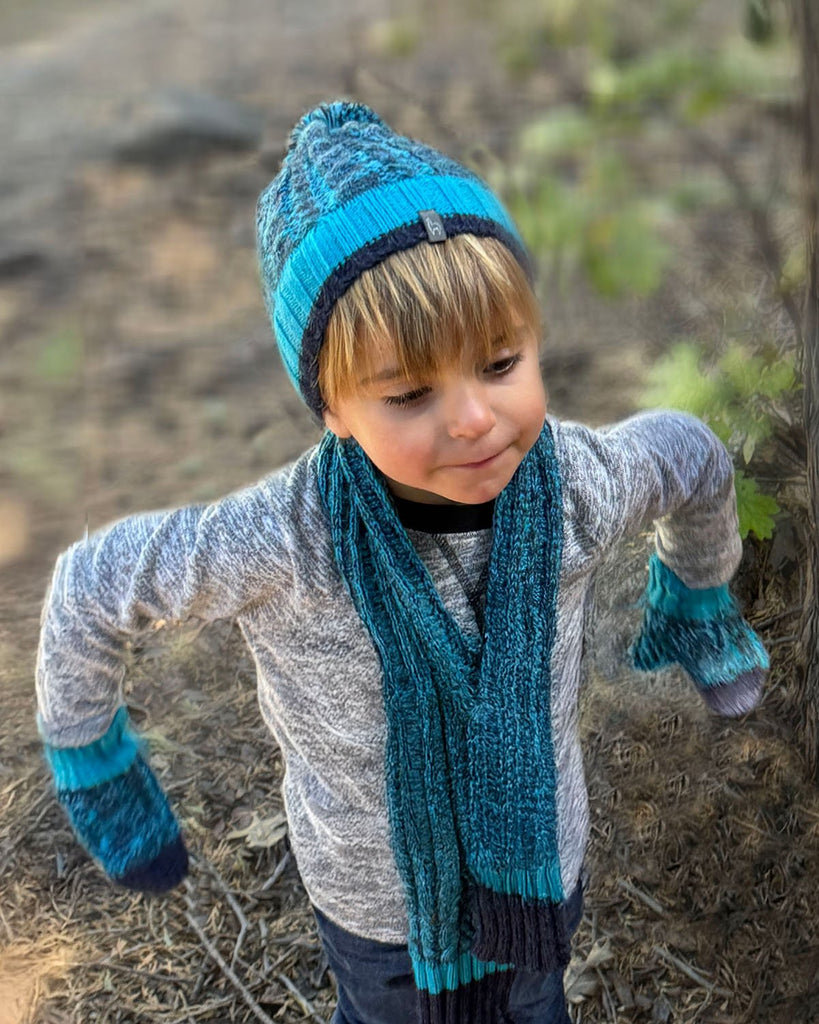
pixel 471 777
pixel 118 810
pixel 336 152
pixel 704 632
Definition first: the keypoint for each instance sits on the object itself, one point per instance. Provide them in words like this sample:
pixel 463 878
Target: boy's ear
pixel 335 423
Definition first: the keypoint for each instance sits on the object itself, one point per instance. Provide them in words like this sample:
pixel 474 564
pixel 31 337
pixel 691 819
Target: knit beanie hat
pixel 350 192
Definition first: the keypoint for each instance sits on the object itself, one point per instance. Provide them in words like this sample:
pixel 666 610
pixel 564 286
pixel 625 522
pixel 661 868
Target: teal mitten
pixel 118 810
pixel 704 632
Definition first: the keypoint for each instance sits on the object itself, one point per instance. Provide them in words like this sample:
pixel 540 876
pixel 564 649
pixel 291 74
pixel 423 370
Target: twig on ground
pixel 649 901
pixel 277 873
pixel 200 1011
pixel 690 972
pixel 234 905
pixel 225 968
pixel 303 1002
pixel 111 965
pixel 200 979
pixel 608 999
pixel 16 783
pixel 6 925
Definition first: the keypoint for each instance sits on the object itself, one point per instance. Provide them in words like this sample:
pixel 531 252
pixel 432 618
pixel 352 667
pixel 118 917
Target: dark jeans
pixel 376 986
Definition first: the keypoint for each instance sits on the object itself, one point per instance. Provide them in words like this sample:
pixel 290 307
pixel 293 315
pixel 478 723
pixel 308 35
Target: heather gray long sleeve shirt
pixel 264 556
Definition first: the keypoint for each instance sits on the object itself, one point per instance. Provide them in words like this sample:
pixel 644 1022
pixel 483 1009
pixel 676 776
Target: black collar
pixel 416 515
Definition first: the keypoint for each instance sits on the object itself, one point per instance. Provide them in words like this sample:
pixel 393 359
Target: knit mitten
pixel 118 810
pixel 704 632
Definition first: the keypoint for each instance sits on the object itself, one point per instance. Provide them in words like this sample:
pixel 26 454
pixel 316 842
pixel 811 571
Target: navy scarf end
pixel 480 1002
pixel 535 935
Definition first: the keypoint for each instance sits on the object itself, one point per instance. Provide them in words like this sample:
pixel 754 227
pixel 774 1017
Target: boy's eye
pixel 407 398
pixel 503 366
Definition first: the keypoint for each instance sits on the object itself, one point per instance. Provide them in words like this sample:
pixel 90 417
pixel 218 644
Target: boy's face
pixel 457 437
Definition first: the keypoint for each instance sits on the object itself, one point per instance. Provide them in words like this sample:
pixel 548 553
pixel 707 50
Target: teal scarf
pixel 470 765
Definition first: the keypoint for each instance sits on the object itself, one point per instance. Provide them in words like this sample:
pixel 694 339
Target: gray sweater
pixel 264 557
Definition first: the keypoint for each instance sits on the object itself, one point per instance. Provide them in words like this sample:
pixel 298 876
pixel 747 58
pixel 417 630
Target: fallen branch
pixel 277 873
pixel 649 901
pixel 691 972
pixel 234 905
pixel 303 1002
pixel 230 974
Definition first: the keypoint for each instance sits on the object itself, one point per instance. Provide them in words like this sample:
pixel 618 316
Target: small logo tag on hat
pixel 436 232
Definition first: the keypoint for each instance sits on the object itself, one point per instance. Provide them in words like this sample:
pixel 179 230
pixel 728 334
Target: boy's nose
pixel 469 413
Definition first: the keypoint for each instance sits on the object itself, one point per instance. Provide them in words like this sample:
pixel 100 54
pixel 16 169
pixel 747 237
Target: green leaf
pixel 657 75
pixel 518 55
pixel 779 377
pixel 742 370
pixel 695 80
pixel 677 382
pixel 756 510
pixel 551 218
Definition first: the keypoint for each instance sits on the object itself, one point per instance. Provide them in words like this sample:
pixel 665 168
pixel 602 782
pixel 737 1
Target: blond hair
pixel 428 304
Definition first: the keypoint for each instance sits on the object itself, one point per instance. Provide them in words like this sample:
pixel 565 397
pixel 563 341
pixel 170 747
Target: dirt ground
pixel 137 371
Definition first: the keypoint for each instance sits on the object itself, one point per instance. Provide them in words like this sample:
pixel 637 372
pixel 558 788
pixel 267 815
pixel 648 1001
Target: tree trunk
pixel 807 25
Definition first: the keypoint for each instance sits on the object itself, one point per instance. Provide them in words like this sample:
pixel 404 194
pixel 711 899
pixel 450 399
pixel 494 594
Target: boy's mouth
pixel 481 462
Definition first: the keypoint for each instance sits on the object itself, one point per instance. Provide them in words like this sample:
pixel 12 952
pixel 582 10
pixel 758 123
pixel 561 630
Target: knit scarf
pixel 470 772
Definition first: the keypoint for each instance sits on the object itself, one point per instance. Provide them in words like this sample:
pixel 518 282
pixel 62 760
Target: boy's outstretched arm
pixel 205 562
pixel 669 468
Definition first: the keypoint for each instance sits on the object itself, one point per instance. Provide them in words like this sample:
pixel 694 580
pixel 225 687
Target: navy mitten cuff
pixel 118 810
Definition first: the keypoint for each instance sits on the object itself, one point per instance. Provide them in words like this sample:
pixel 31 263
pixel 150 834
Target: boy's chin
pixel 476 496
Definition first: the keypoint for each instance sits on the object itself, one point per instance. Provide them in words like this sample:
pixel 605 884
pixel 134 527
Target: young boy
pixel 413 590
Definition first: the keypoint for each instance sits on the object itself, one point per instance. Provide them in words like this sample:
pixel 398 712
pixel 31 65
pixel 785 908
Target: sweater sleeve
pixel 203 561
pixel 662 467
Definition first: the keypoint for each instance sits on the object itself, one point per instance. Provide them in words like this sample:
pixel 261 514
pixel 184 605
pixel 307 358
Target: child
pixel 413 590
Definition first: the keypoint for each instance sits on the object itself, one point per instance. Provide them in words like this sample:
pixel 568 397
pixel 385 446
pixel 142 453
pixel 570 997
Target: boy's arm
pixel 666 467
pixel 669 468
pixel 207 562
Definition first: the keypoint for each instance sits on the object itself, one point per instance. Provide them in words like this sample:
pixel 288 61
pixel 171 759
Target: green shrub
pixel 734 395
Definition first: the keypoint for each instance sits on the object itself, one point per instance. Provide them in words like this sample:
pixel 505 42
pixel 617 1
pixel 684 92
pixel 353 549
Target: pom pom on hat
pixel 334 115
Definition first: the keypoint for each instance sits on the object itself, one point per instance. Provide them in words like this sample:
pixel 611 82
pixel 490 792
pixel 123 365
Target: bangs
pixel 425 306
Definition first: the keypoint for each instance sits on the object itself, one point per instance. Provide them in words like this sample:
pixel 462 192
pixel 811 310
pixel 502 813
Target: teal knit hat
pixel 350 193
